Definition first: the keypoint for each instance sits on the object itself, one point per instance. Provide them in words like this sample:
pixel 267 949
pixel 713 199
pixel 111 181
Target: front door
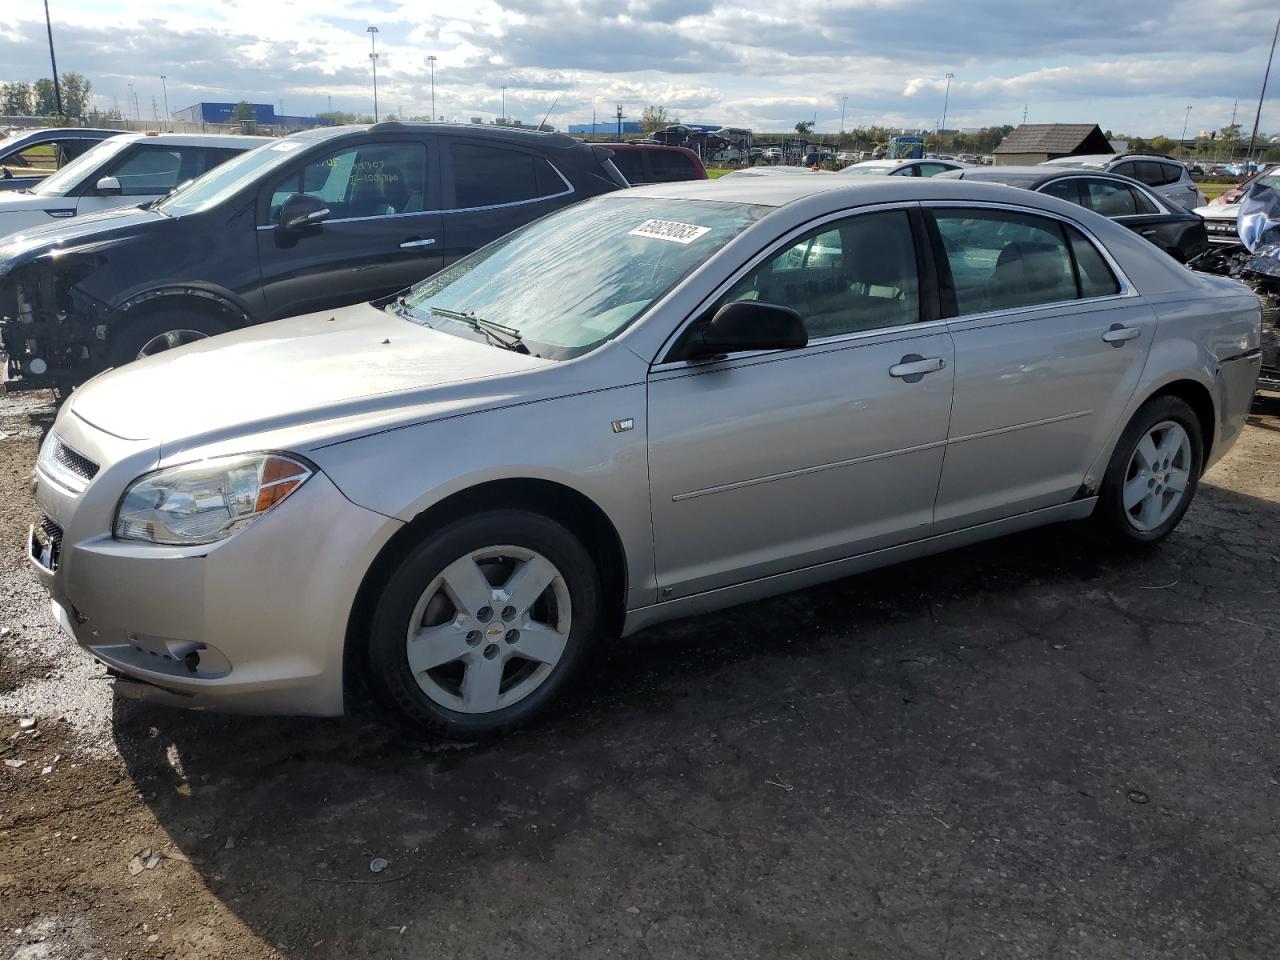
pixel 1049 347
pixel 383 232
pixel 764 463
pixel 145 171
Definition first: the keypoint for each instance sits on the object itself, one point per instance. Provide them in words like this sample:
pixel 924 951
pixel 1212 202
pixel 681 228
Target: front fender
pixel 569 440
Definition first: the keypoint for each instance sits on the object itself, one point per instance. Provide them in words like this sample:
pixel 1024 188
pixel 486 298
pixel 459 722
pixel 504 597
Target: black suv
pixel 309 222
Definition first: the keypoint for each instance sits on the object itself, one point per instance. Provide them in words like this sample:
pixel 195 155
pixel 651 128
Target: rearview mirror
pixel 302 210
pixel 109 187
pixel 750 325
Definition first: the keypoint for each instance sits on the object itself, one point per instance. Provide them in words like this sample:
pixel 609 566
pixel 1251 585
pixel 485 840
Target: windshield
pixel 70 176
pixel 572 280
pixel 228 178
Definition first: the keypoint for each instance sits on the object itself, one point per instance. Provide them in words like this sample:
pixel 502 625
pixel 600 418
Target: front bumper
pixel 254 624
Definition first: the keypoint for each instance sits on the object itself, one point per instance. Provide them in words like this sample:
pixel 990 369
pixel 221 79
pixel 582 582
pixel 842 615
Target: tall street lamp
pixel 431 62
pixel 504 105
pixel 1182 143
pixel 843 103
pixel 373 58
pixel 946 97
pixel 165 88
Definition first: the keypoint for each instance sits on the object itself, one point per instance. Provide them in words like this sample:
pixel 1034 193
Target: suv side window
pixel 1001 260
pixel 149 171
pixel 485 176
pixel 1127 169
pixel 671 165
pixel 858 274
pixel 630 164
pixel 368 180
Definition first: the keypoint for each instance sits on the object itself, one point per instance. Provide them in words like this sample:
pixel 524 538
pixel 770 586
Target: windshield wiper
pixel 496 333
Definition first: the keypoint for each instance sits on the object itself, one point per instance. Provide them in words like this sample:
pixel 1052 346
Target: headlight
pixel 206 501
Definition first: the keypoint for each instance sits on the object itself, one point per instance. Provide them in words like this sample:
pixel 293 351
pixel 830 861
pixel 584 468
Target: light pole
pixel 431 62
pixel 1265 77
pixel 57 86
pixel 165 87
pixel 843 103
pixel 946 98
pixel 373 58
pixel 1182 143
pixel 504 106
pixel 593 117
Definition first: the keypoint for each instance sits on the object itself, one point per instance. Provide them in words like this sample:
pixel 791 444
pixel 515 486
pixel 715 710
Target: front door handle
pixel 1119 335
pixel 1147 233
pixel 410 244
pixel 913 367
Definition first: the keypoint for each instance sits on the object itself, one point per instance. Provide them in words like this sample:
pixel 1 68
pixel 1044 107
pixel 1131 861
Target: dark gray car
pixel 28 156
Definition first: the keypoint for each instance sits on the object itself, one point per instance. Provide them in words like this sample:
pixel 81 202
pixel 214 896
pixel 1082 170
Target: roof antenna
pixel 549 109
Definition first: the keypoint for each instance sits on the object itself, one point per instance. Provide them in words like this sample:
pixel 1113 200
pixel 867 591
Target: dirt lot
pixel 1026 749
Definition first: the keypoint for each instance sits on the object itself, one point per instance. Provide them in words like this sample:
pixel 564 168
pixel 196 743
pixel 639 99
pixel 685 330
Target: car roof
pixel 199 139
pixel 521 136
pixel 646 146
pixel 1032 175
pixel 63 131
pixel 836 193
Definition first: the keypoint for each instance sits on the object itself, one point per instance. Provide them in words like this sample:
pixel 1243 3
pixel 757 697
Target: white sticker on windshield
pixel 284 146
pixel 670 230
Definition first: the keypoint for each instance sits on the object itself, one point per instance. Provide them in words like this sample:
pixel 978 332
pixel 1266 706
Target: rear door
pixel 491 189
pixel 1049 344
pixel 383 231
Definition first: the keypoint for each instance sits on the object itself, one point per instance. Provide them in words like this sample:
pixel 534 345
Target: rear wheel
pixel 149 335
pixel 1153 474
pixel 485 623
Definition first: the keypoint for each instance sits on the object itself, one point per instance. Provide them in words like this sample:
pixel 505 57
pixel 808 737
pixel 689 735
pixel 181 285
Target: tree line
pixel 21 99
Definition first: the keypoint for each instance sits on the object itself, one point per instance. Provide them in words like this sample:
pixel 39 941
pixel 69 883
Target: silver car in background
pixel 653 404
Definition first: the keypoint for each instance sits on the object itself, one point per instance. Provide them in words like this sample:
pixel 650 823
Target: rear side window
pixel 1001 260
pixel 630 164
pixel 148 171
pixel 486 176
pixel 1110 199
pixel 1068 190
pixel 671 165
pixel 1095 277
pixel 1127 169
pixel 1156 174
pixel 931 169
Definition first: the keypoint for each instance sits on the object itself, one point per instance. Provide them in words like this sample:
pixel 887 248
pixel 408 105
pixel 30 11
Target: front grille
pixel 46 544
pixel 52 531
pixel 74 463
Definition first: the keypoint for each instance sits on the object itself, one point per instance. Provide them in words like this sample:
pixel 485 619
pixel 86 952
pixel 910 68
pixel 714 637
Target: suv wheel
pixel 1153 474
pixel 484 624
pixel 154 334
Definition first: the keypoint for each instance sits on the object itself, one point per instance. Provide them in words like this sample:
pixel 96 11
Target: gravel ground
pixel 1030 748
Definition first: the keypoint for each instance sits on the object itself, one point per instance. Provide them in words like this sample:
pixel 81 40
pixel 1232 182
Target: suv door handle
pixel 913 367
pixel 410 244
pixel 1118 335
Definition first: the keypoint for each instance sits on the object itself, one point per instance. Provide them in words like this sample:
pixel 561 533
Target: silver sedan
pixel 653 404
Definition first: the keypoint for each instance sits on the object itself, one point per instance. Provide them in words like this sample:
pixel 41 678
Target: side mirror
pixel 749 325
pixel 302 210
pixel 108 187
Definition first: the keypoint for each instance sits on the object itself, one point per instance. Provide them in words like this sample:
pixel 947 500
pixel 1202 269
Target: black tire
pixel 389 674
pixel 1111 515
pixel 127 342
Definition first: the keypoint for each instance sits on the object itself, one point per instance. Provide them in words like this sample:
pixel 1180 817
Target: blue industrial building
pixel 263 113
pixel 605 126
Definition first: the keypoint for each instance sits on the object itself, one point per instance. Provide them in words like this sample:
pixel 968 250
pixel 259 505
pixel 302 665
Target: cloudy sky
pixel 762 63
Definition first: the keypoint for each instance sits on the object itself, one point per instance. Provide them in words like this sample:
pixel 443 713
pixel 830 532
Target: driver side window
pixel 371 180
pixel 859 274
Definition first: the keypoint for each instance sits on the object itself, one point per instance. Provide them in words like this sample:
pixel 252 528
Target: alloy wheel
pixel 489 629
pixel 1157 476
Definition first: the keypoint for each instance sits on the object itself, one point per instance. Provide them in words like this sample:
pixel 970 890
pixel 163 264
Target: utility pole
pixel 373 59
pixel 1235 104
pixel 1182 143
pixel 1265 77
pixel 155 109
pixel 431 62
pixel 619 121
pixel 57 86
pixel 168 117
pixel 1024 113
pixel 844 101
pixel 946 98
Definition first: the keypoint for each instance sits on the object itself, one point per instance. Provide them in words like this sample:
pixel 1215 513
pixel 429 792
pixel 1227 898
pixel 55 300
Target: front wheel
pixel 1153 474
pixel 484 624
pixel 159 332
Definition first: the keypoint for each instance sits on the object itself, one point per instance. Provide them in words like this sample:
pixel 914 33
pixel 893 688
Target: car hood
pixel 1222 211
pixel 104 225
pixel 336 365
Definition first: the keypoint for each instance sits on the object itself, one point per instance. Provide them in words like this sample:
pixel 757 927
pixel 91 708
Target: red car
pixel 643 163
pixel 1235 193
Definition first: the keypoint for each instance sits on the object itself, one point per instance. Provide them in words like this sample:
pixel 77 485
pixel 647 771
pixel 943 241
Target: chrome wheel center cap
pixel 1160 477
pixel 495 631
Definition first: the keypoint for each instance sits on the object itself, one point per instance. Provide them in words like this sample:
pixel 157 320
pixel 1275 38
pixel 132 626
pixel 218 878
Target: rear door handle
pixel 410 244
pixel 1118 336
pixel 913 367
